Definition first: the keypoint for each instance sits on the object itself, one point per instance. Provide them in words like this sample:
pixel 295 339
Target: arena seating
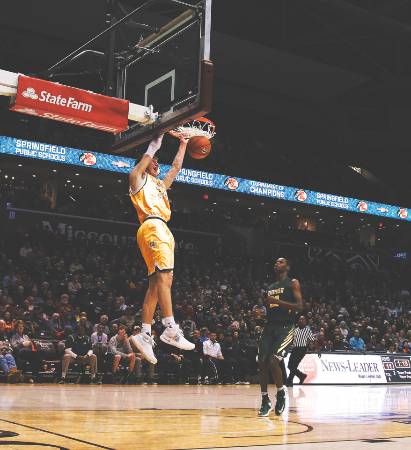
pixel 50 283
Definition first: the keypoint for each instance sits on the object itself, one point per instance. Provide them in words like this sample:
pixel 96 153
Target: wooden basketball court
pixel 201 417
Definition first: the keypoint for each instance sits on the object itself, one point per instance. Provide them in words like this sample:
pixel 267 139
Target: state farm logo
pixel 301 195
pixel 66 102
pixel 30 93
pixel 403 213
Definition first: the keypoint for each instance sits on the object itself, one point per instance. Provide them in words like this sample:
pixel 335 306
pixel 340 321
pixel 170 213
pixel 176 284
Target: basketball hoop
pixel 198 127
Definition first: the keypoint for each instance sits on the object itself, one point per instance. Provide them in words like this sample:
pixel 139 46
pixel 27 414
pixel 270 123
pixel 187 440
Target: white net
pixel 198 127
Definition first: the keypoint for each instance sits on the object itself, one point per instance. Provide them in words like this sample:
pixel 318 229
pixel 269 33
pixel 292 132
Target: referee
pixel 302 335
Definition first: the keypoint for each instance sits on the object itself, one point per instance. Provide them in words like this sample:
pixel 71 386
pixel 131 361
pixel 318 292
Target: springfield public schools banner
pixel 342 369
pixel 122 164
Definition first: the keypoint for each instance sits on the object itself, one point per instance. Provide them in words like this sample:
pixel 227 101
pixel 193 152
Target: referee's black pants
pixel 297 354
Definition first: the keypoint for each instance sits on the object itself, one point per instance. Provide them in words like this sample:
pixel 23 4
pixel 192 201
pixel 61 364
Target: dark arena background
pixel 310 162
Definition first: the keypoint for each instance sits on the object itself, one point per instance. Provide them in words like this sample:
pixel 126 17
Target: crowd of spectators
pixel 87 297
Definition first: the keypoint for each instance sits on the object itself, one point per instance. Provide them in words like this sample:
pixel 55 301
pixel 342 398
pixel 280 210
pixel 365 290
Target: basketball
pixel 199 147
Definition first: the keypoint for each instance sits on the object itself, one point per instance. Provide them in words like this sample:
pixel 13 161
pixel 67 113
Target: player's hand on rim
pixel 181 136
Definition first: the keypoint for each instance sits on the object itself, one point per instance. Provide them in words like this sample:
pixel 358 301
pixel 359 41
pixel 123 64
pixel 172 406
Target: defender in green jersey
pixel 284 299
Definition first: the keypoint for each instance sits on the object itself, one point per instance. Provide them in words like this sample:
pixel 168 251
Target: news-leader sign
pixel 335 368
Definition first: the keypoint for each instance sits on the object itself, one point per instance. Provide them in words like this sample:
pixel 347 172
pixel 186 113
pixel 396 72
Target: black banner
pixel 108 231
pixel 397 368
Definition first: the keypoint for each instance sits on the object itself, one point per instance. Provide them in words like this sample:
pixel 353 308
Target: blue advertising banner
pixel 103 161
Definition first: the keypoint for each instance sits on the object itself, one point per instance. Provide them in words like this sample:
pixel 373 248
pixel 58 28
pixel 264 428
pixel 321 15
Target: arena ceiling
pixel 321 84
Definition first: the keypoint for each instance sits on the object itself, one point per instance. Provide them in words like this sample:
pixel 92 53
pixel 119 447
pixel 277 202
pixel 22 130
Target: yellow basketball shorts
pixel 156 244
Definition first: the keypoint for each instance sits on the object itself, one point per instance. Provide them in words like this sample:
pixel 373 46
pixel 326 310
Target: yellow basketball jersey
pixel 151 200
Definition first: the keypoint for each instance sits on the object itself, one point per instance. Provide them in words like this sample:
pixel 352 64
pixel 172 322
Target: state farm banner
pixel 337 368
pixel 71 105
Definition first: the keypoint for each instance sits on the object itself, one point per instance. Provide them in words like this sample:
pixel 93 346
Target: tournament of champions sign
pixel 103 161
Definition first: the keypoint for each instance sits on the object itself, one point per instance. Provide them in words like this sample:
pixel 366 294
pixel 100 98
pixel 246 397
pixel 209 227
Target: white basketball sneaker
pixel 174 336
pixel 145 343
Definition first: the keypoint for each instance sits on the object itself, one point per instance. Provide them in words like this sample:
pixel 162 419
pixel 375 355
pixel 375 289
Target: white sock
pixel 168 321
pixel 281 389
pixel 146 328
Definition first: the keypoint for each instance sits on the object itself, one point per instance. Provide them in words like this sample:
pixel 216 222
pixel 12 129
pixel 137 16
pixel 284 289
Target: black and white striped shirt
pixel 302 336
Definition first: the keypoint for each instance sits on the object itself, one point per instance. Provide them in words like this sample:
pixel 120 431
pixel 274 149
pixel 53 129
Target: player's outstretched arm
pixel 136 177
pixel 178 160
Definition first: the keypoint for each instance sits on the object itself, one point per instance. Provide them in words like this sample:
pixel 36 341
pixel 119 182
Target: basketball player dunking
pixel 284 299
pixel 149 196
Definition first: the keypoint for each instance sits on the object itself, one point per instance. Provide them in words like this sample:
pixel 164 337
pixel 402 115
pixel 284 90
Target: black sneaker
pixel 280 403
pixel 266 407
pixel 303 377
pixel 130 379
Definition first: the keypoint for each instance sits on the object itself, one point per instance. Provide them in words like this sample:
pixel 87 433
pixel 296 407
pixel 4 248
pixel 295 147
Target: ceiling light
pixel 20 165
pixel 34 175
pixel 68 181
pixel 100 185
pixel 54 170
pixel 119 181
